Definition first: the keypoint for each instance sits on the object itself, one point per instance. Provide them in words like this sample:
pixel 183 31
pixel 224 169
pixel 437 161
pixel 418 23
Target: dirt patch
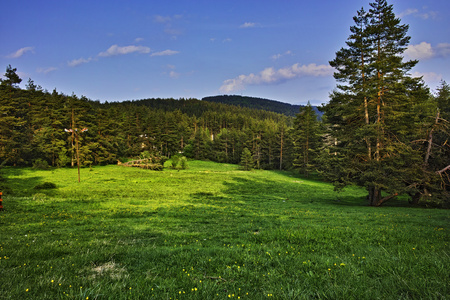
pixel 110 269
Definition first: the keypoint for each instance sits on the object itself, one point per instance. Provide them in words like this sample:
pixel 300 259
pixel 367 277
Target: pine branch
pixel 443 170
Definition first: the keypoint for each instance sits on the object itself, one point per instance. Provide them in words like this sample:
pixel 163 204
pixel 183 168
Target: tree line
pixel 34 125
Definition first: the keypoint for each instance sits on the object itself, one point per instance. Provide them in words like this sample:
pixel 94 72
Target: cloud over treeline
pixel 270 76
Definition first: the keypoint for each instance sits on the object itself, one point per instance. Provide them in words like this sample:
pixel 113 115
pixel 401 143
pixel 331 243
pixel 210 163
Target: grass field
pixel 212 232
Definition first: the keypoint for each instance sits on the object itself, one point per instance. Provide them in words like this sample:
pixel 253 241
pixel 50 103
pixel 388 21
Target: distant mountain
pixel 259 103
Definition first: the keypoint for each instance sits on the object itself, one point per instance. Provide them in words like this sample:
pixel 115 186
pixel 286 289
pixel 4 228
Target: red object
pixel 1 201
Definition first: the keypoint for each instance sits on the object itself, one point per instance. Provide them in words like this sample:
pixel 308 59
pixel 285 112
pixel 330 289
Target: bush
pixel 145 154
pixel 179 162
pixel 63 160
pixel 40 164
pixel 163 159
pixel 5 189
pixel 45 186
pixel 184 163
pixel 175 161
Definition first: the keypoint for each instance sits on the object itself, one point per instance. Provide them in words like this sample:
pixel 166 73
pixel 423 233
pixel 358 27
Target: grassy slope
pixel 212 232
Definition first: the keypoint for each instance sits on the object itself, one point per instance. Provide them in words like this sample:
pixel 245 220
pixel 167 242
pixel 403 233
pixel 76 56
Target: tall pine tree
pixel 371 113
pixel 306 139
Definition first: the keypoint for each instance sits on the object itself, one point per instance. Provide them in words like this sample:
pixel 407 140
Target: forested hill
pixel 259 103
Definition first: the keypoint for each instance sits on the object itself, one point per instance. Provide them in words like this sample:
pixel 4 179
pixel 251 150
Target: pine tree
pixel 371 114
pixel 433 143
pixel 307 140
pixel 247 162
pixel 12 79
pixel 15 133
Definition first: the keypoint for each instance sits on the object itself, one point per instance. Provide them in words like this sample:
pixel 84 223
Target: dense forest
pixel 34 123
pixel 382 128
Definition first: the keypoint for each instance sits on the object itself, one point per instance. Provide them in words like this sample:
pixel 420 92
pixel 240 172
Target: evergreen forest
pixel 382 129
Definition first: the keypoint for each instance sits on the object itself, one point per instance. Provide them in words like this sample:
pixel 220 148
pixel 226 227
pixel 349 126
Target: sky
pixel 128 50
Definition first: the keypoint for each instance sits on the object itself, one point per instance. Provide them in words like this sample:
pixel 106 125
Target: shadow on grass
pixel 18 183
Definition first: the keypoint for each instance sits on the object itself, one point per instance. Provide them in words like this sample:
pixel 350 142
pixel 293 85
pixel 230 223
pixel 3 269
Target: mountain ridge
pixel 259 103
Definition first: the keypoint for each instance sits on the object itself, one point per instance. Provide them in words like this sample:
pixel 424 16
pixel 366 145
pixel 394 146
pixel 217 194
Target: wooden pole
pixel 78 155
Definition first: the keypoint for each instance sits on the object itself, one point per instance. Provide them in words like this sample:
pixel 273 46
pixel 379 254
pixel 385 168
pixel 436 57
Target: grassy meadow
pixel 212 232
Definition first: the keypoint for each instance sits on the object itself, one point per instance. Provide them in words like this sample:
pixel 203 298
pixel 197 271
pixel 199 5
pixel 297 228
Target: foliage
pixel 306 135
pixel 33 124
pixel 179 162
pixel 11 77
pixel 377 110
pixel 247 162
pixel 259 103
pixel 184 163
pixel 40 164
pixel 45 186
pixel 213 232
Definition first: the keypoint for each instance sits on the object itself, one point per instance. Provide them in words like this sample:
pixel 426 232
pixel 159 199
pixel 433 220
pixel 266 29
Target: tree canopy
pixel 377 110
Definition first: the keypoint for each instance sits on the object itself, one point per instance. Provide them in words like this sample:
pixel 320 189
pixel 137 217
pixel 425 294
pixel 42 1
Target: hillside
pixel 259 103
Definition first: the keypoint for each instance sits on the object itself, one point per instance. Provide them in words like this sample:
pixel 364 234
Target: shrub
pixel 45 186
pixel 184 163
pixel 63 160
pixel 175 161
pixel 5 189
pixel 40 164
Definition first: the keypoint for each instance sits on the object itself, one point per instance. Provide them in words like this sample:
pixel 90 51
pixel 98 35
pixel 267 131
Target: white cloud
pixel 116 50
pixel 227 40
pixel 279 55
pixel 46 70
pixel 420 51
pixel 443 49
pixel 272 76
pixel 408 12
pixel 168 22
pixel 172 31
pixel 137 40
pixel 248 25
pixel 428 76
pixel 424 50
pixel 419 14
pixel 276 56
pixel 165 53
pixel 79 61
pixel 21 52
pixel 174 74
pixel 162 19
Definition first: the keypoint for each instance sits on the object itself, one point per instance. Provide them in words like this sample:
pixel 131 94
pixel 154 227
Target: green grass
pixel 212 232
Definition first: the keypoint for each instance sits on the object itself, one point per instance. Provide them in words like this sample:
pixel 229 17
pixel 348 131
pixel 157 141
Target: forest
pixel 34 123
pixel 382 129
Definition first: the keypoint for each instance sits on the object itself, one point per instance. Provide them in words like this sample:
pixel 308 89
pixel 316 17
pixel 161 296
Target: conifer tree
pixel 371 114
pixel 15 133
pixel 247 162
pixel 306 139
pixel 11 77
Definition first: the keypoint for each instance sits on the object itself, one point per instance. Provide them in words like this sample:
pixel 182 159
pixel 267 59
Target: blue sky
pixel 128 50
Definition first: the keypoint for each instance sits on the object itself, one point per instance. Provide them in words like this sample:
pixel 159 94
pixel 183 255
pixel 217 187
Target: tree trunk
pixel 430 140
pixel 281 150
pixel 374 196
pixel 415 199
